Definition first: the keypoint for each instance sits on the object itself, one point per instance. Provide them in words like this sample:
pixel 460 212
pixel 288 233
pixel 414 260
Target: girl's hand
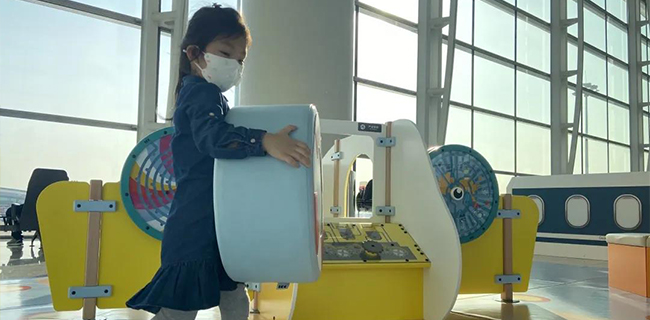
pixel 284 148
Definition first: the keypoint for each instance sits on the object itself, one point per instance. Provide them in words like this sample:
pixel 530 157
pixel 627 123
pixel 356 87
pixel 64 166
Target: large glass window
pixel 617 40
pixel 494 138
pixel 501 99
pixel 595 70
pixel 129 8
pixel 533 149
pixel 69 83
pixel 459 126
pixel 383 61
pixel 494 28
pixel 84 152
pixel 533 97
pixel 595 117
pixel 619 123
pixel 604 129
pixel 385 72
pixel 379 105
pixel 533 44
pixel 594 27
pixel 68 64
pixel 619 158
pixel 407 9
pixel 539 8
pixel 618 8
pixel 494 85
pixel 595 156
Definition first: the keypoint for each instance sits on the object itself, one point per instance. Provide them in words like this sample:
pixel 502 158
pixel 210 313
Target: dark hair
pixel 207 24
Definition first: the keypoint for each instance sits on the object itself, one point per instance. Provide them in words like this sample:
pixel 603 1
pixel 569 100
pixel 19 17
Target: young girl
pixel 191 276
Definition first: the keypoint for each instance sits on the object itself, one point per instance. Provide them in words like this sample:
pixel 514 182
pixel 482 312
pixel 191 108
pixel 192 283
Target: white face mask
pixel 223 72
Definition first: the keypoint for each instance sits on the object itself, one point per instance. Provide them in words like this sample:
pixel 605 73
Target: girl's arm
pixel 212 134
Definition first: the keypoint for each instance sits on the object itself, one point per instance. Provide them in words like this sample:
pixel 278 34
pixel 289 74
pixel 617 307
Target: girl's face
pixel 231 48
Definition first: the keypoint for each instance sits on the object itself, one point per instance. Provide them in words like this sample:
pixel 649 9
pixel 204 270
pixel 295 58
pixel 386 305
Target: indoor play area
pixel 330 160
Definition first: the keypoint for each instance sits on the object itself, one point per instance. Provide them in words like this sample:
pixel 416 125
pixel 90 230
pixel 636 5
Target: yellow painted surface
pixel 356 290
pixel 362 294
pixel 483 257
pixel 64 235
pixel 128 257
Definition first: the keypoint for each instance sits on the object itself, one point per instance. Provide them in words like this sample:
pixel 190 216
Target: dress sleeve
pixel 212 134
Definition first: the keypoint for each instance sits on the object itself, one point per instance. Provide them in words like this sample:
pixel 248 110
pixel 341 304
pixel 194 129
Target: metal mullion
pixel 356 62
pixel 534 18
pixel 598 51
pixel 498 114
pixel 473 52
pixel 37 116
pixel 384 86
pixel 515 86
pixel 592 137
pixel 387 17
pixel 91 11
pixel 500 59
pixel 598 94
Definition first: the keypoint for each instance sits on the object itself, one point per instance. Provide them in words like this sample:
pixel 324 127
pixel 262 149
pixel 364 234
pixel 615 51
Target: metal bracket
pixel 507 278
pixel 337 156
pixel 335 210
pixel 254 286
pixel 90 292
pixel 385 211
pixel 570 73
pixel 439 23
pixel 508 214
pixel 569 22
pixel 386 142
pixel 435 92
pixel 94 206
pixel 283 286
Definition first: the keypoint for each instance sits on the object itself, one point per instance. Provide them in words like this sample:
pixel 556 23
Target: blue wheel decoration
pixel 469 187
pixel 148 183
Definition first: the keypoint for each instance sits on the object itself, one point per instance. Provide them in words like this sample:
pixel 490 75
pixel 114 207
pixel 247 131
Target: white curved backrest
pixel 268 215
pixel 419 206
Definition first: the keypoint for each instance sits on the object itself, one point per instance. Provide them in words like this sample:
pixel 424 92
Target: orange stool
pixel 629 262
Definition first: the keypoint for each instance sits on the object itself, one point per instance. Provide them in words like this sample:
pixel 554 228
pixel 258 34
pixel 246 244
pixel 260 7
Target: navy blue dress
pixel 191 273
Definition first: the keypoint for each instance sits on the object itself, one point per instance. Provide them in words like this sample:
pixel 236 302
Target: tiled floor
pixel 569 289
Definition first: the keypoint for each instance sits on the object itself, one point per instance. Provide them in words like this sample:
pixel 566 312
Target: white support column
pixel 559 86
pixel 636 84
pixel 563 153
pixel 301 58
pixel 152 22
pixel 443 119
pixel 429 87
pixel 149 47
pixel 577 113
pixel 178 25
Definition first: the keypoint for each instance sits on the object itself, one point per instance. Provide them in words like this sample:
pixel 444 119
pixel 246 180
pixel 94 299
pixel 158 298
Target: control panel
pixel 370 243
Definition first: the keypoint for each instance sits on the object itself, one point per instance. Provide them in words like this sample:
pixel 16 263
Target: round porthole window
pixel 627 212
pixel 540 208
pixel 577 211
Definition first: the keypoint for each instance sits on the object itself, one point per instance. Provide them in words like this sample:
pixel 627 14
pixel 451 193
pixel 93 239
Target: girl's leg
pixel 170 314
pixel 234 304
